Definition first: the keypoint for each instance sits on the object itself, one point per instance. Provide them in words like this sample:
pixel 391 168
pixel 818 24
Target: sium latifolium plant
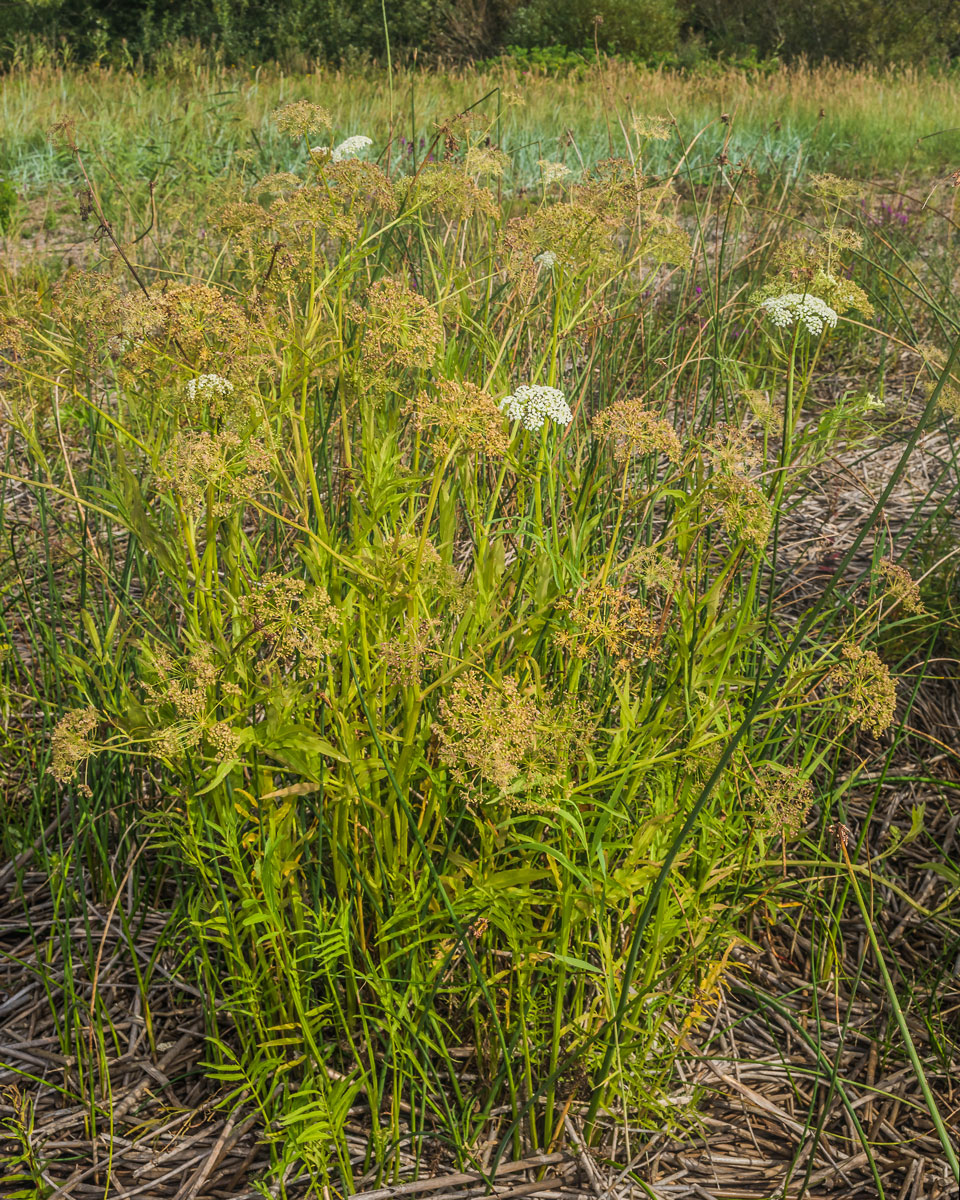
pixel 421 603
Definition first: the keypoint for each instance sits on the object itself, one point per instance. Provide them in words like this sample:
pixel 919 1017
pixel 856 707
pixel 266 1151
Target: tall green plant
pixel 413 563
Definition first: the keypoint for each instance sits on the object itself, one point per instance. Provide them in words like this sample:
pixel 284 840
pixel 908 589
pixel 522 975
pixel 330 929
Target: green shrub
pixel 644 27
pixel 335 30
pixel 855 31
pixel 8 204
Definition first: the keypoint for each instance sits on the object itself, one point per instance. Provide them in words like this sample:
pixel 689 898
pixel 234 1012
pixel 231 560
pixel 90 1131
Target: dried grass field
pixel 478 634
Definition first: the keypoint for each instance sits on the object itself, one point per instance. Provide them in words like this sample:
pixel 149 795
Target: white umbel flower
pixel 812 312
pixel 351 147
pixel 552 172
pixel 208 387
pixel 533 403
pixel 546 259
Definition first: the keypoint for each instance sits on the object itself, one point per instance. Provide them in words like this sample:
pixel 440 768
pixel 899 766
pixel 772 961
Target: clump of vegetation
pixel 8 205
pixel 406 565
pixel 559 33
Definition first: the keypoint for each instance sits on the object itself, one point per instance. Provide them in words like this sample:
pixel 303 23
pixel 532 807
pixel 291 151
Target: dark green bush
pixel 8 204
pixel 679 32
pixel 242 29
pixel 645 27
pixel 852 31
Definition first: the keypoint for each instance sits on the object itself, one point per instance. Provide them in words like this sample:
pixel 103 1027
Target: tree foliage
pixel 856 31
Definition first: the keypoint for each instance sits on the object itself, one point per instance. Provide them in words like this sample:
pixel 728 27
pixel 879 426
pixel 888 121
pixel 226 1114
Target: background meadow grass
pixel 190 128
pixel 458 763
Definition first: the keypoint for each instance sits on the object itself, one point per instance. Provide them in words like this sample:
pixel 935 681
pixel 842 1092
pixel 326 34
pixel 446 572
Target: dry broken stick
pixel 439 1182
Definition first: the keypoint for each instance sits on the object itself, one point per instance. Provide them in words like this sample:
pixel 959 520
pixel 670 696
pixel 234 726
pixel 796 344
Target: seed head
pixel 461 413
pixel 636 431
pixel 225 741
pixel 397 327
pixel 832 187
pixel 408 654
pixel 654 569
pixel 449 189
pixel 949 399
pixel 290 619
pixel 865 682
pixel 207 327
pixel 301 117
pixel 841 238
pixel 608 620
pixel 657 129
pixel 665 242
pixel 784 797
pixel 198 465
pixel 840 293
pixel 183 684
pixel 485 161
pixel 744 510
pixel 488 730
pixel 574 231
pixel 901 587
pixel 762 408
pixel 71 743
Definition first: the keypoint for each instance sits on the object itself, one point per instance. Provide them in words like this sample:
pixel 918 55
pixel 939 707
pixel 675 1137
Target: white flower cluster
pixel 533 403
pixel 351 147
pixel 546 259
pixel 812 312
pixel 552 172
pixel 208 387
